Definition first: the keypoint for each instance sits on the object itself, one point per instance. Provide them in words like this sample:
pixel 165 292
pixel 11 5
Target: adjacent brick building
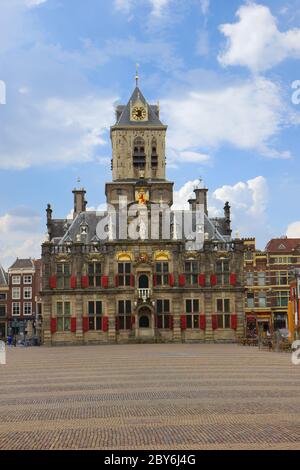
pixel 155 287
pixel 24 283
pixel 3 302
pixel 268 275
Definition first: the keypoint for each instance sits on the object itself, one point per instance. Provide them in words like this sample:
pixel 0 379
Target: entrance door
pixel 145 323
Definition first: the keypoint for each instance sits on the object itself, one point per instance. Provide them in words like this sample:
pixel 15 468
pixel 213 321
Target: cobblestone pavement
pixel 166 396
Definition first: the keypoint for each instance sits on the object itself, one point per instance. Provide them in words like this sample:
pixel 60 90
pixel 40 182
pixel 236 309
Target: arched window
pixel 154 157
pixel 139 157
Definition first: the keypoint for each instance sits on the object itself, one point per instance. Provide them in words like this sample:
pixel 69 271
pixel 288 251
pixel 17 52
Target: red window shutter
pixel 232 279
pixel 202 322
pixel 171 280
pixel 116 280
pixel 214 322
pixel 171 322
pixel 84 282
pixel 85 324
pixel 181 280
pixel 132 280
pixel 132 321
pixel 213 280
pixel 201 280
pixel 73 282
pixel 73 324
pixel 154 280
pixel 105 324
pixel 53 325
pixel 52 282
pixel 117 324
pixel 233 321
pixel 104 282
pixel 183 322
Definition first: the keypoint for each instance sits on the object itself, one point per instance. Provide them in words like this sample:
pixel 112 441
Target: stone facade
pixel 153 288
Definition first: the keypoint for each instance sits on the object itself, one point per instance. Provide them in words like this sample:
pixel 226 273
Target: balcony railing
pixel 144 294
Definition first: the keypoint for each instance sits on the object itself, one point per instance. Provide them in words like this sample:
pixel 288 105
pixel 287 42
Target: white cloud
pixel 74 130
pixel 34 3
pixel 20 235
pixel 158 6
pixel 250 196
pixel 247 115
pixel 204 5
pixel 255 40
pixel 185 193
pixel 293 230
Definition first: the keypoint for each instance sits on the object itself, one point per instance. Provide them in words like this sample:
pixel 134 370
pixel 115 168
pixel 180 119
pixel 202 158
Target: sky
pixel 227 77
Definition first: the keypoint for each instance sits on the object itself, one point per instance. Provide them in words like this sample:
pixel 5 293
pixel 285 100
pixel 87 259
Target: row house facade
pixel 24 304
pixel 3 302
pixel 268 275
pixel 155 287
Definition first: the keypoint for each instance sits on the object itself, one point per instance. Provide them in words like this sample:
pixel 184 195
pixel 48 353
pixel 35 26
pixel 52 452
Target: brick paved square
pixel 168 396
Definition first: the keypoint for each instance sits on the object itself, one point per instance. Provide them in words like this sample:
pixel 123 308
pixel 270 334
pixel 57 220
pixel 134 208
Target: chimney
pixel 49 219
pixel 192 203
pixel 227 218
pixel 201 197
pixel 79 201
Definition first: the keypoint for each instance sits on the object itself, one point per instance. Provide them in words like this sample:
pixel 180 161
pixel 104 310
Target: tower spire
pixel 137 75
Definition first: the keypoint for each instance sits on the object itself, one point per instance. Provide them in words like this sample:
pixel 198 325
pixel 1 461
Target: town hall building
pixel 133 273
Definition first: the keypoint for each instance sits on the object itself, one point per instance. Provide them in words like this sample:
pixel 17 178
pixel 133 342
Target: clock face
pixel 139 113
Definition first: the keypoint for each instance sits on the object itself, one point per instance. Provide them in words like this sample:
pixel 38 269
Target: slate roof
pixel 3 277
pixel 215 228
pixel 123 112
pixel 283 245
pixel 22 264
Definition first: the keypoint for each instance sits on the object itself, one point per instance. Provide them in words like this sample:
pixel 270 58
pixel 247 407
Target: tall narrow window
pixel 162 273
pixel 223 313
pixel 261 278
pixel 94 271
pixel 163 313
pixel 95 315
pixel 192 313
pixel 63 313
pixel 124 274
pixel 222 270
pixel 63 275
pixel 191 273
pixel 154 156
pixel 139 157
pixel 124 314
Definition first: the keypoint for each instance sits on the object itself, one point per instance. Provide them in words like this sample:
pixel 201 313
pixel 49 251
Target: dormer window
pixel 83 229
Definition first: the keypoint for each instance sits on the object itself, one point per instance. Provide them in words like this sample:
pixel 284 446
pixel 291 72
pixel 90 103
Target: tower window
pixel 139 157
pixel 154 157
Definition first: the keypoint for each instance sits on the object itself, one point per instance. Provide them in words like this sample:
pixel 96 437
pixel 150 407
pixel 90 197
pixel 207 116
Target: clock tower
pixel 138 154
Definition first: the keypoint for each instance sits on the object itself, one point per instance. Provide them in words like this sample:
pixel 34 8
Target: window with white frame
pixel 249 279
pixel 27 279
pixel 250 300
pixel 163 313
pixel 223 313
pixel 262 299
pixel 16 293
pixel 95 315
pixel 27 308
pixel 27 292
pixel 16 280
pixel 3 296
pixel 63 312
pixel 192 313
pixel 16 309
pixel 261 278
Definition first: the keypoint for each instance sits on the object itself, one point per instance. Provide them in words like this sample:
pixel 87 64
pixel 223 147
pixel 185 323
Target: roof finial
pixel 137 75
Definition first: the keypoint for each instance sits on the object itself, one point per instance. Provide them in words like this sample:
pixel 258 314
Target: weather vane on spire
pixel 137 75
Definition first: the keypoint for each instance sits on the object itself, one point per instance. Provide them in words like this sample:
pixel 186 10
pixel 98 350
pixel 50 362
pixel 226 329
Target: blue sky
pixel 222 71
